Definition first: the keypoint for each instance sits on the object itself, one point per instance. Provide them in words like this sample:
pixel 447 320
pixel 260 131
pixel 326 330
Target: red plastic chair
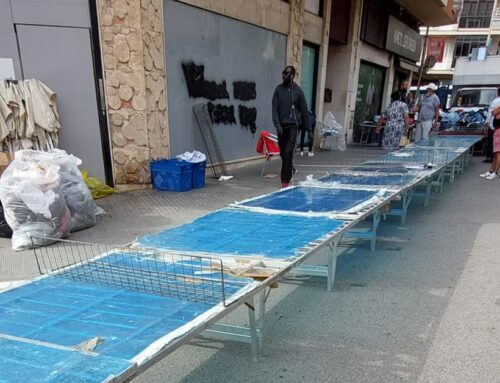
pixel 267 145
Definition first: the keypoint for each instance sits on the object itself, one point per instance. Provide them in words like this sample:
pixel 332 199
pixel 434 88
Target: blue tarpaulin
pixel 241 232
pixel 312 199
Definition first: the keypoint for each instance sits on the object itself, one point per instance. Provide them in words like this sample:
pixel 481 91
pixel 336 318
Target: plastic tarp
pixel 312 199
pixel 243 233
pixel 421 156
pixel 45 324
pixel 369 180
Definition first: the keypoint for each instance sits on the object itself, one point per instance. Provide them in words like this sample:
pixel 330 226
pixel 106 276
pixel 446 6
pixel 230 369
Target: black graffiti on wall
pixel 221 114
pixel 248 116
pixel 244 90
pixel 199 87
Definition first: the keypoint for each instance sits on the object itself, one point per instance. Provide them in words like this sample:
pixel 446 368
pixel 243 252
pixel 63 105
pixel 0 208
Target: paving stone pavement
pixel 421 308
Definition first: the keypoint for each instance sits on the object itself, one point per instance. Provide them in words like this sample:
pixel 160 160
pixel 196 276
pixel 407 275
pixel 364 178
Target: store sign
pixel 436 46
pixel 403 40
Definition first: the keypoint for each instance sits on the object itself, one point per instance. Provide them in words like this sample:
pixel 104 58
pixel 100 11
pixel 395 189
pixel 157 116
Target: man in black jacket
pixel 289 113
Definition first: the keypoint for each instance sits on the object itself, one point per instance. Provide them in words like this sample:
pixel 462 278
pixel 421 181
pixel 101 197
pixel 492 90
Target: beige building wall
pixel 133 54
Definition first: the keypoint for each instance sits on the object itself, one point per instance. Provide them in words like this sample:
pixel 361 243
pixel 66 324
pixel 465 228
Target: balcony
pixel 431 13
pixel 495 22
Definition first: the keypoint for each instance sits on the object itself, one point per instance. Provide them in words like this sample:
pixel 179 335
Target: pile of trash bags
pixel 44 198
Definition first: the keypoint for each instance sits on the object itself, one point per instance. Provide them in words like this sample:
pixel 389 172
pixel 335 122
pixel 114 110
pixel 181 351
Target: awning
pixel 432 13
pixel 407 65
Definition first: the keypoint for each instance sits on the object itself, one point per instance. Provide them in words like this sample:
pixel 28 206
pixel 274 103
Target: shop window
pixel 476 14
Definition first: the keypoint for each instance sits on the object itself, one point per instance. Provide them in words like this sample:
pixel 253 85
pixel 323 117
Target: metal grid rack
pixel 185 277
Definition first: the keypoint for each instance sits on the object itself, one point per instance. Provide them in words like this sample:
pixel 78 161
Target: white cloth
pixel 422 131
pixel 494 104
pixel 194 157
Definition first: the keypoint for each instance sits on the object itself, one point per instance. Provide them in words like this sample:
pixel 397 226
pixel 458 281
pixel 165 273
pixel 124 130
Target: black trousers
pixel 286 142
pixel 303 137
pixel 489 143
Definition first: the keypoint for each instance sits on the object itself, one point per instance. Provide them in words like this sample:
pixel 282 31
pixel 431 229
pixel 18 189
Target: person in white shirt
pixel 428 113
pixel 494 124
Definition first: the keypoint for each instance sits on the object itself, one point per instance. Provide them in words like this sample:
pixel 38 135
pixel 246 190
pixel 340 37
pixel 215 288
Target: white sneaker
pixel 484 175
pixel 491 176
pixel 310 154
pixel 302 154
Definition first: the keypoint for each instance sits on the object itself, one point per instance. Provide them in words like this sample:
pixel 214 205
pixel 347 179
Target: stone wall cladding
pixel 133 55
pixel 295 35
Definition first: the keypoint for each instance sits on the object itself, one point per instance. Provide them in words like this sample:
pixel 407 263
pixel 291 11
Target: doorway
pixel 369 95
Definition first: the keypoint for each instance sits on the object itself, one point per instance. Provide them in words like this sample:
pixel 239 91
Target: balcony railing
pixel 474 22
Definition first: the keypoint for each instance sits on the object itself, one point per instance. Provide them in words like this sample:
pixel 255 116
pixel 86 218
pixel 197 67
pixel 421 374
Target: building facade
pixel 478 26
pixel 380 50
pixel 128 72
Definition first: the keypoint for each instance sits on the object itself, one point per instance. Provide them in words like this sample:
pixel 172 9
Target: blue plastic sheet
pixel 415 156
pixel 243 233
pixel 450 141
pixel 25 362
pixel 372 180
pixel 313 199
pixel 65 313
pixel 379 167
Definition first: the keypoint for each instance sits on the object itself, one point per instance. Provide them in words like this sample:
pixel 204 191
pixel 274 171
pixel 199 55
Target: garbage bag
pixel 97 188
pixel 34 206
pixel 76 193
pixel 5 230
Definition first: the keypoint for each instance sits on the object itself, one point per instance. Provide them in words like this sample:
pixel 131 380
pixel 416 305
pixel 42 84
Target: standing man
pixel 403 92
pixel 289 113
pixel 428 113
pixel 489 141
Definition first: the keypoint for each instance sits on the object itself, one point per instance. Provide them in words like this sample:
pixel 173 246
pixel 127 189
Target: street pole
pixel 422 65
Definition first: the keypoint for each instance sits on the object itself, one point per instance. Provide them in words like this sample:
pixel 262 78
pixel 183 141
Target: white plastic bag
pixel 76 193
pixel 34 206
pixel 332 127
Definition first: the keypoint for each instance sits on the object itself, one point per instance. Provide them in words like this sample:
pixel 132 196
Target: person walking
pixel 428 113
pixel 396 122
pixel 289 112
pixel 494 126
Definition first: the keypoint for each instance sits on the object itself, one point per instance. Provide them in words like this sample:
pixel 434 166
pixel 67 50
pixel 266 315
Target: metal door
pixel 61 57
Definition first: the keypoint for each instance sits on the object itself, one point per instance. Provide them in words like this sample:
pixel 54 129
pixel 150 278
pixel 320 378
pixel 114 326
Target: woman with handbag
pixel 396 122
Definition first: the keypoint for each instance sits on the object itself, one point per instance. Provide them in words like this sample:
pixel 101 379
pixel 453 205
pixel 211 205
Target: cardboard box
pixel 5 160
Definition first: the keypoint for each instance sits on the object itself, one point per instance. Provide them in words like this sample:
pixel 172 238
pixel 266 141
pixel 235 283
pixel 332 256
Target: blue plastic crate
pixel 172 175
pixel 199 174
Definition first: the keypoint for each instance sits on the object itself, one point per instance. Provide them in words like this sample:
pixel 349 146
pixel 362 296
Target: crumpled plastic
pixel 34 206
pixel 76 193
pixel 5 230
pixel 194 157
pixel 332 127
pixel 97 188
